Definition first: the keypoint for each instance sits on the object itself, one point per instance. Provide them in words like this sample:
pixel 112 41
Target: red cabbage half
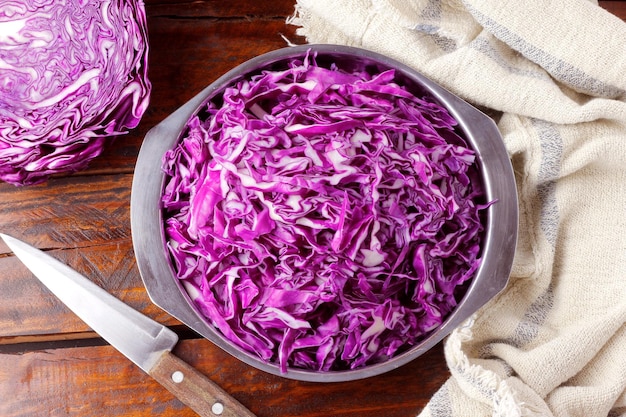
pixel 72 74
pixel 323 219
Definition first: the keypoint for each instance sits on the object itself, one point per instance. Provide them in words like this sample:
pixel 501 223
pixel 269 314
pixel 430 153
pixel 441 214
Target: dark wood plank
pixel 98 381
pixel 29 309
pixel 68 212
pixel 215 9
pixel 84 223
pixel 617 7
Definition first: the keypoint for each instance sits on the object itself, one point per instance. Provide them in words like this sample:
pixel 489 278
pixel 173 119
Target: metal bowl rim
pixel 480 130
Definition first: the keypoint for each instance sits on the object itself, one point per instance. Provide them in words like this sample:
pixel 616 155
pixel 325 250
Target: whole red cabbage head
pixel 73 74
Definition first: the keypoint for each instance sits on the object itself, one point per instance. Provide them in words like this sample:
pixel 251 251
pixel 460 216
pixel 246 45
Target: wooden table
pixel 51 364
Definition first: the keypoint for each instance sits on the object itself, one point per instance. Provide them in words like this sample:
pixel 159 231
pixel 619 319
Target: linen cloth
pixel 553 75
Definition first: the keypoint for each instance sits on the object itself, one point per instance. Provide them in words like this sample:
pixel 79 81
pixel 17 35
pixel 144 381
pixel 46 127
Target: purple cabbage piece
pixel 73 73
pixel 320 219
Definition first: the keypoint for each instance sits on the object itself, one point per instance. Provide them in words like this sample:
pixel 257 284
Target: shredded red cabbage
pixel 73 73
pixel 322 219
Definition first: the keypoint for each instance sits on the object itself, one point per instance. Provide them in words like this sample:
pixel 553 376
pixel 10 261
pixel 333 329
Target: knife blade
pixel 142 340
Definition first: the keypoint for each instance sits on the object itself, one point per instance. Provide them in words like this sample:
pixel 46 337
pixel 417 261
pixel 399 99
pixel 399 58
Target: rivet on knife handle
pixel 195 390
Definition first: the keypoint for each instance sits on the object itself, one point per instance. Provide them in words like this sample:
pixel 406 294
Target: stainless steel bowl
pixel 501 218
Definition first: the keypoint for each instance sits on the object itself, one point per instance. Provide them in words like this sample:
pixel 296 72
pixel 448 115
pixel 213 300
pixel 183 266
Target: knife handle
pixel 196 390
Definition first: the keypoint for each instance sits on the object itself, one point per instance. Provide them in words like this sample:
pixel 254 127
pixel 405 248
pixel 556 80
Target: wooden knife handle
pixel 196 390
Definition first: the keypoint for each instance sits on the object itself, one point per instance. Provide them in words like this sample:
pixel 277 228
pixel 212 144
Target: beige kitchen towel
pixel 553 75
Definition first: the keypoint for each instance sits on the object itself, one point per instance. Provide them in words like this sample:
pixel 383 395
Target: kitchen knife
pixel 141 339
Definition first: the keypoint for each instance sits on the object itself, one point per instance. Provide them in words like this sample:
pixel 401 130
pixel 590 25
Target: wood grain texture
pixel 29 309
pixel 51 364
pixel 68 212
pixel 98 381
pixel 86 225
